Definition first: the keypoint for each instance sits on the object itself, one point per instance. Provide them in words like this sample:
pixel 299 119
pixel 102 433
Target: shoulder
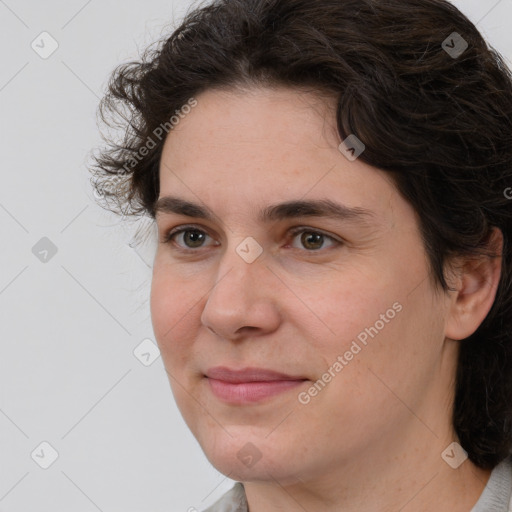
pixel 504 470
pixel 509 465
pixel 497 495
pixel 232 501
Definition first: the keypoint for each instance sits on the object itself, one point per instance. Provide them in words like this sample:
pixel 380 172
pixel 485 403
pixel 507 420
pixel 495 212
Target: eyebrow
pixel 276 212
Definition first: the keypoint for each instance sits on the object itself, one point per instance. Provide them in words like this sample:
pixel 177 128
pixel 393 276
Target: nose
pixel 243 300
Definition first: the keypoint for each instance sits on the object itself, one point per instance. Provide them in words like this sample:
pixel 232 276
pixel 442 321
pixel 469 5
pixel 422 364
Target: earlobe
pixel 475 289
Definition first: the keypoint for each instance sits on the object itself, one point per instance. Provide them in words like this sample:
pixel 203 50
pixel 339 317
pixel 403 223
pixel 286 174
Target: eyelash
pixel 170 235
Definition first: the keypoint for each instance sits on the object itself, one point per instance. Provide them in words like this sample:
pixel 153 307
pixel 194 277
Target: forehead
pixel 265 146
pixel 254 126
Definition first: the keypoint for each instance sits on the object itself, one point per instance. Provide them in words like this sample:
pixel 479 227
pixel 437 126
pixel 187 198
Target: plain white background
pixel 69 325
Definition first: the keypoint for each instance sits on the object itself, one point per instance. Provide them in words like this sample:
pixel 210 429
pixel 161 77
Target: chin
pixel 251 458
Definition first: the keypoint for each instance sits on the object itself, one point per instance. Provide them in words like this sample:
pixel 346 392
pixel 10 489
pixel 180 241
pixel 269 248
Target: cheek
pixel 172 311
pixel 162 302
pixel 174 322
pixel 343 307
pixel 373 322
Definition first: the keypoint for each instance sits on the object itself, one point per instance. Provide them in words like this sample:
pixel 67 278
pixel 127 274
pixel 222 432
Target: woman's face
pixel 338 303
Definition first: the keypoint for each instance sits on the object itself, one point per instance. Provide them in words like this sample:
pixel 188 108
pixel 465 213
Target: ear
pixel 475 282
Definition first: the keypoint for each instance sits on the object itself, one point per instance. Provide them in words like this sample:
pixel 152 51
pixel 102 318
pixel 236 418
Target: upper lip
pixel 249 374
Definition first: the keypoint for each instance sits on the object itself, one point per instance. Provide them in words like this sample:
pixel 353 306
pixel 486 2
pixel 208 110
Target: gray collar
pixel 498 491
pixel 233 501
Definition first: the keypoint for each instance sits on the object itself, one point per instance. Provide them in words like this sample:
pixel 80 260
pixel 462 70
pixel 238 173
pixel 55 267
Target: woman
pixel 331 291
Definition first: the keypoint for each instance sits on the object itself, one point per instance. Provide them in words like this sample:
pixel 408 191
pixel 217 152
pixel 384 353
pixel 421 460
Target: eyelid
pixel 167 235
pixel 299 229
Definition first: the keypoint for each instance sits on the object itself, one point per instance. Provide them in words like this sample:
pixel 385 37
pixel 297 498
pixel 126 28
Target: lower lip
pixel 249 392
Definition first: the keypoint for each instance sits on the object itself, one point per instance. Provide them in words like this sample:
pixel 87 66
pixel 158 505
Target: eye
pixel 188 237
pixel 313 240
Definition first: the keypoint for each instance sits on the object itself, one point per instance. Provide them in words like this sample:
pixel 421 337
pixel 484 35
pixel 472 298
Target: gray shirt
pixel 496 497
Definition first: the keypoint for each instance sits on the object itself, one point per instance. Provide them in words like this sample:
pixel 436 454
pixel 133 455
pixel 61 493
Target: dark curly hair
pixel 434 114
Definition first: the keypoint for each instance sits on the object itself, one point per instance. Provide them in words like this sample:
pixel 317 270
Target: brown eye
pixel 193 238
pixel 187 238
pixel 313 240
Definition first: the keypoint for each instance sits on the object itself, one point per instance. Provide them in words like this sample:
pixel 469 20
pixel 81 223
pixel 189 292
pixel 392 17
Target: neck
pixel 414 479
pixel 405 485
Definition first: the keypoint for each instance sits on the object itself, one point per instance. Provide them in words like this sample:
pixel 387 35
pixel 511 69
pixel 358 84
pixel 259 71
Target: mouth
pixel 249 385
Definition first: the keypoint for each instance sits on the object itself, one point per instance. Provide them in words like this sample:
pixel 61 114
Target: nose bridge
pixel 240 271
pixel 241 295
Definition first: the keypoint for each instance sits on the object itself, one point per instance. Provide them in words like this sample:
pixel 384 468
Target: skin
pixel 372 438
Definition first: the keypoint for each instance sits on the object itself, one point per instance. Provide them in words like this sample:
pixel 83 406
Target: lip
pixel 249 385
pixel 249 374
